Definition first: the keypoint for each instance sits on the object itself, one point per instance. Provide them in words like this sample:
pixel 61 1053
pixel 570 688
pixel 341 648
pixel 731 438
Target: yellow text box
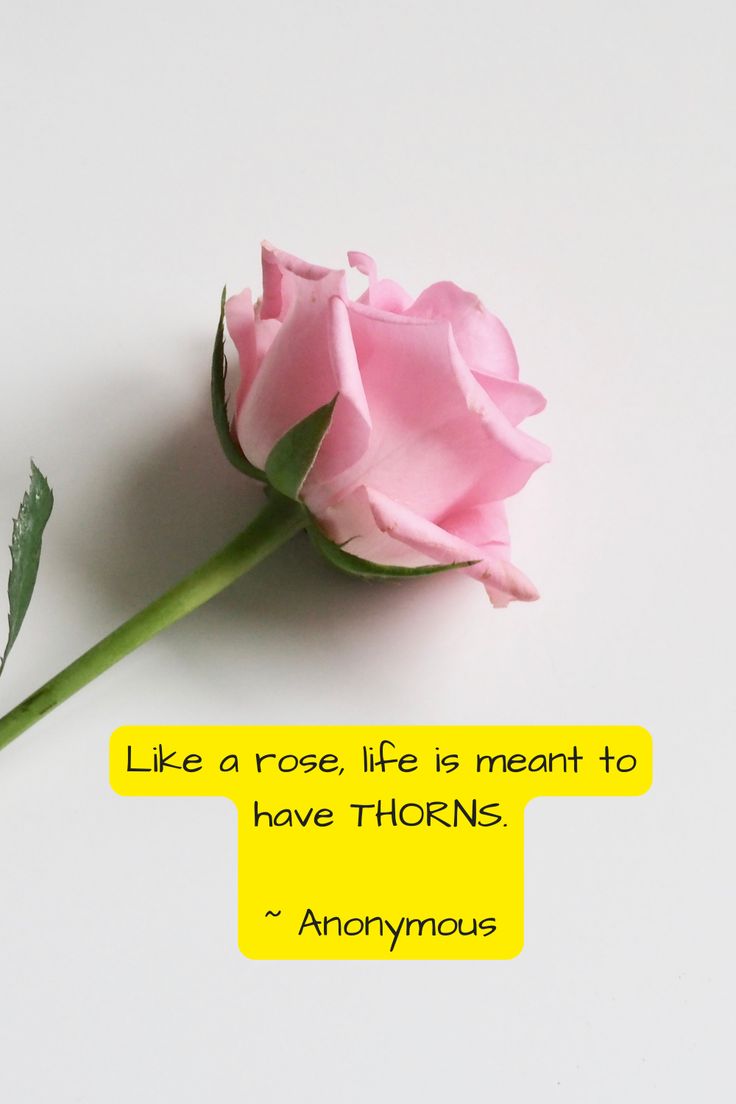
pixel 374 842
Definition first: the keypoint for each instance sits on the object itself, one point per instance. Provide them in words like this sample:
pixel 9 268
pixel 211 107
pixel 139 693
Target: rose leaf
pixel 25 553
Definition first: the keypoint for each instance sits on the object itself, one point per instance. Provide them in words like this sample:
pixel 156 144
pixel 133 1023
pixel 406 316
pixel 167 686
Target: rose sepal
pixel 291 458
pixel 356 565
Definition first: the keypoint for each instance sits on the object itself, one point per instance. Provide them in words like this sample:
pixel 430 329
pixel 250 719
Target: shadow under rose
pixel 176 502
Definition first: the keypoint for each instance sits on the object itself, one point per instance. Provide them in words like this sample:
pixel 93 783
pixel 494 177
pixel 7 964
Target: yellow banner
pixel 380 842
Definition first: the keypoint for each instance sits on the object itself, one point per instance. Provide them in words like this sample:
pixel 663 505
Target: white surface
pixel 573 163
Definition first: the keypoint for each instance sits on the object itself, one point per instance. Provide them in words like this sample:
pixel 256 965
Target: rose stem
pixel 279 520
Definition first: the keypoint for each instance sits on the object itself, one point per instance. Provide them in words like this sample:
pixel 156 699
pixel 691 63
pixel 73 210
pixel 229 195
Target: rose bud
pixel 408 410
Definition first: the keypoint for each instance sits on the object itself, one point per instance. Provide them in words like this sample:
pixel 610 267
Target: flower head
pixel 417 443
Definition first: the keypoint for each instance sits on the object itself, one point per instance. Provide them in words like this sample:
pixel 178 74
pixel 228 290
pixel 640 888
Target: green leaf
pixel 291 458
pixel 355 565
pixel 230 446
pixel 25 553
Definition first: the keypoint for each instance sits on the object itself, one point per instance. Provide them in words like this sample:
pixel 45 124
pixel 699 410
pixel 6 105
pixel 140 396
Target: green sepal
pixel 356 565
pixel 290 460
pixel 230 446
pixel 25 553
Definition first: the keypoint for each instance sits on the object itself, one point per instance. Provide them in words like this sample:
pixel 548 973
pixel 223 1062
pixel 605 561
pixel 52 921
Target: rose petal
pixel 501 579
pixel 482 338
pixel 482 525
pixel 266 330
pixel 240 319
pixel 277 287
pixel 372 526
pixel 385 294
pixel 517 400
pixel 310 360
pixel 351 524
pixel 438 441
pixel 347 438
pixel 364 264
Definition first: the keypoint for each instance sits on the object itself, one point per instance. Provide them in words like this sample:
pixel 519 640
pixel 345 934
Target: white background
pixel 572 163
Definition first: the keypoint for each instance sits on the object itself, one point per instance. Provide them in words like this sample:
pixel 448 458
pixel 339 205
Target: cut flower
pixel 422 444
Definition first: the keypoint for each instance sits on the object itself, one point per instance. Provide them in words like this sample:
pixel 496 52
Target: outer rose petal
pixel 437 440
pixel 350 523
pixel 482 338
pixel 376 528
pixel 517 400
pixel 251 336
pixel 277 297
pixel 266 330
pixel 484 526
pixel 501 579
pixel 347 438
pixel 485 346
pixel 240 319
pixel 310 360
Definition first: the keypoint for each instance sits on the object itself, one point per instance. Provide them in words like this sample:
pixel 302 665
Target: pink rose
pixel 422 445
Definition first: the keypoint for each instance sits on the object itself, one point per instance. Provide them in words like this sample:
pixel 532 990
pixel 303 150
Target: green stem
pixel 279 520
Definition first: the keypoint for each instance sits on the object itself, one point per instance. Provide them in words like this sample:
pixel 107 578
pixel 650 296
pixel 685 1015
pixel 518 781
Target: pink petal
pixel 372 526
pixel 517 400
pixel 351 524
pixel 482 525
pixel 251 336
pixel 347 438
pixel 266 330
pixel 502 580
pixel 482 338
pixel 485 346
pixel 277 287
pixel 240 319
pixel 310 360
pixel 387 295
pixel 364 264
pixel 437 441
